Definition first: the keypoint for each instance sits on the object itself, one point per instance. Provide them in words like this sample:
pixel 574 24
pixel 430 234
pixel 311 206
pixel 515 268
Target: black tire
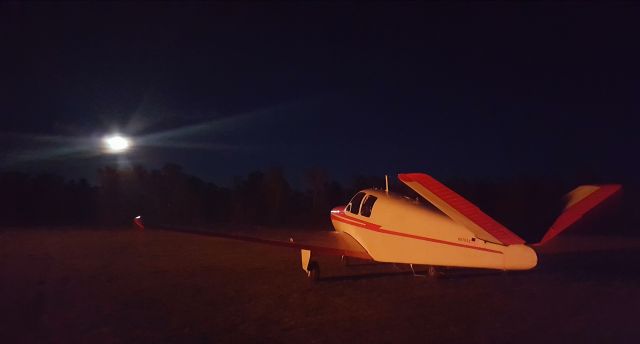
pixel 314 271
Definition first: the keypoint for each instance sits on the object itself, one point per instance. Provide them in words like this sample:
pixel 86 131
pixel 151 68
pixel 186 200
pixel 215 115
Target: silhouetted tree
pixel 318 182
pixel 276 193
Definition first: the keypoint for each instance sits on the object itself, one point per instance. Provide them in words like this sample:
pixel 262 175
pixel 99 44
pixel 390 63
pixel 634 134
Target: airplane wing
pixel 322 242
pixel 459 209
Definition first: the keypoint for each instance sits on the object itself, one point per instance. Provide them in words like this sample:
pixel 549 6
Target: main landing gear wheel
pixel 313 271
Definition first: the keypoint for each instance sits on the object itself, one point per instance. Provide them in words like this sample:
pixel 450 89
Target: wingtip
pixel 137 221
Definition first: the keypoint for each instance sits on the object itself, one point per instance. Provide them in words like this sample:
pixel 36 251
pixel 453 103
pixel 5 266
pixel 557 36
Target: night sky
pixel 469 90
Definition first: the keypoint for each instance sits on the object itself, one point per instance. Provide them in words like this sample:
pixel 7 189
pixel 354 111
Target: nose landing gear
pixel 312 268
pixel 313 272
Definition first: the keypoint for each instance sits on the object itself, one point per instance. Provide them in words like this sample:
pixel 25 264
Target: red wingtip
pixel 138 222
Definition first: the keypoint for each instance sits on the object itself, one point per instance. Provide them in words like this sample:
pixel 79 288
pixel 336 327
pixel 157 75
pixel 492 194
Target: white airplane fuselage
pixel 393 228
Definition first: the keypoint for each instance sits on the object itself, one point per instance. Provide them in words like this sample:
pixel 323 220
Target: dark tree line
pixel 170 195
pixel 167 195
pixel 45 199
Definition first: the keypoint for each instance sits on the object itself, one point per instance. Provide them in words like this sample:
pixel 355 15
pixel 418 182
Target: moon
pixel 116 144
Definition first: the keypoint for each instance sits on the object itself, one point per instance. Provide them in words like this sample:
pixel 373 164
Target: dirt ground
pixel 113 286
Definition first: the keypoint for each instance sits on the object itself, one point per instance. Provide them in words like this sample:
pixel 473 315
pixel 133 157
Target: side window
pixel 367 206
pixel 355 202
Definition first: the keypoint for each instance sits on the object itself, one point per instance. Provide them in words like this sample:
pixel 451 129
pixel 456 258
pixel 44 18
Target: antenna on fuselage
pixel 386 183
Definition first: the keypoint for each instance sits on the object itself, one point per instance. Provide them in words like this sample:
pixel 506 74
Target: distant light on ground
pixel 116 144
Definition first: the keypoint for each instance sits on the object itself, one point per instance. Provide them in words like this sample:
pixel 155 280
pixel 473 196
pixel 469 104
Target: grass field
pixel 122 285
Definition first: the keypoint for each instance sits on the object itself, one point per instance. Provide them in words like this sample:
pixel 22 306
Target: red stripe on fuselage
pixel 377 228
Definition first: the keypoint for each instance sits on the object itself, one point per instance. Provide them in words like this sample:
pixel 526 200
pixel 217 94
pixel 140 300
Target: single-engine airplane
pixel 383 226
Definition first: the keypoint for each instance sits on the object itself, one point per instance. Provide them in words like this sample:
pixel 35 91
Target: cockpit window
pixel 355 202
pixel 367 206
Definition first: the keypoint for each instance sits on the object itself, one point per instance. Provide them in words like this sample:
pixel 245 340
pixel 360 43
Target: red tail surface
pixel 579 202
pixel 459 209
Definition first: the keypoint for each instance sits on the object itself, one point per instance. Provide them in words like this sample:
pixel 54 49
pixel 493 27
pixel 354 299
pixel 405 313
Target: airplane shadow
pixel 590 260
pixel 363 276
pixel 444 274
